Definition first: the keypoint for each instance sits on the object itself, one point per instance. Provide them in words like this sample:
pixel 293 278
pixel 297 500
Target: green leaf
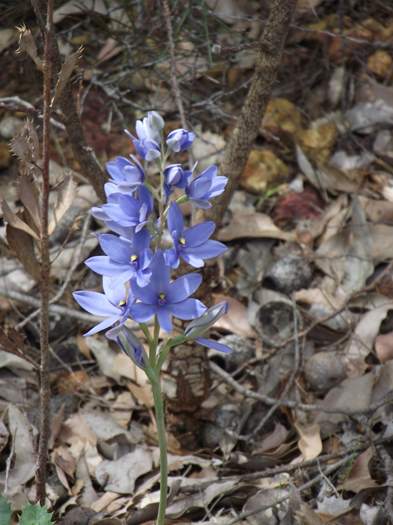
pixel 35 515
pixel 5 511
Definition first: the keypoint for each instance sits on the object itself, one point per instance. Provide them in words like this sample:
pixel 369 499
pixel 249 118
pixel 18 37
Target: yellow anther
pixel 122 303
pixel 182 241
pixel 133 258
pixel 162 295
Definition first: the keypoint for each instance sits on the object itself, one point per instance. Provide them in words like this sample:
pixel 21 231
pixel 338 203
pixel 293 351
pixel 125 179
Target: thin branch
pixel 74 264
pixel 172 51
pixel 45 267
pixel 271 401
pixel 54 309
pixel 302 488
pixel 271 46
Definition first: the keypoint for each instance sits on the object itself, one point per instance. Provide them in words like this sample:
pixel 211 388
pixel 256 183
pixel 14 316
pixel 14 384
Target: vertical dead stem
pixel 172 51
pixel 45 266
pixel 268 60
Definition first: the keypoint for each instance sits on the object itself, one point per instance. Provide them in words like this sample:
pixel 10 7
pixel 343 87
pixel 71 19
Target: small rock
pixel 78 516
pixel 324 370
pixel 225 417
pixel 9 127
pixel 242 350
pixel 288 274
pixel 275 321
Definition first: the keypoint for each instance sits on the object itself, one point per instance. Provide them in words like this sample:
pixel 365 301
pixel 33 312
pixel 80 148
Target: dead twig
pixel 271 401
pixel 44 424
pixel 172 51
pixel 329 470
pixel 271 46
pixel 54 309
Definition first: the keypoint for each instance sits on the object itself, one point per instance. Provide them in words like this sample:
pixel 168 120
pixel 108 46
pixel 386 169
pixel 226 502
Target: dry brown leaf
pixel 359 477
pixel 263 167
pixel 362 339
pixel 310 442
pixel 23 464
pixel 380 63
pixel 27 45
pixel 22 244
pixel 236 320
pixel 65 199
pixel 318 141
pixel 16 222
pixel 254 226
pixel 281 115
pixel 29 197
pixel 109 50
pixel 25 145
pixel 384 347
pixel 120 476
pixel 377 210
pixel 65 73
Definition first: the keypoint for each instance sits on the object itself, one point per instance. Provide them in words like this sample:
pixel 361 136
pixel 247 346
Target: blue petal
pixel 175 219
pixel 106 323
pixel 117 249
pixel 114 290
pixel 102 265
pixel 147 294
pixel 192 260
pixel 183 287
pixel 164 317
pixel 188 309
pixel 213 344
pixel 141 312
pixel 95 303
pixel 199 233
pixel 172 258
pixel 160 274
pixel 207 250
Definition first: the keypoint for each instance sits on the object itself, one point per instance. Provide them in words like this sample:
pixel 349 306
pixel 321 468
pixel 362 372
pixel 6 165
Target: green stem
pixel 160 420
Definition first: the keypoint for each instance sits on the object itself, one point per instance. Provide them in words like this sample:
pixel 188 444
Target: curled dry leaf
pixel 384 347
pixel 236 320
pixel 16 221
pixel 254 226
pixel 23 464
pixel 359 477
pixel 120 476
pixel 263 167
pixel 310 442
pixel 362 339
pixel 29 196
pixel 65 198
pixel 22 244
pixel 65 73
pixel 27 45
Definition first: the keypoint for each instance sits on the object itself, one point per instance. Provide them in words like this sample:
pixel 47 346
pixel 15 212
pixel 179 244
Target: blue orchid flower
pixel 206 186
pixel 113 304
pixel 148 137
pixel 125 259
pixel 190 244
pixel 125 175
pixel 175 177
pixel 180 140
pixel 164 298
pixel 125 213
